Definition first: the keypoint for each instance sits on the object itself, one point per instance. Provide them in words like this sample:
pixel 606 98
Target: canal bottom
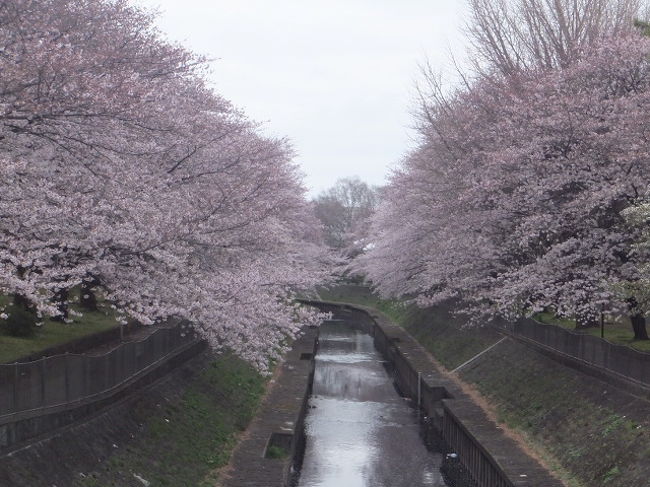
pixel 359 431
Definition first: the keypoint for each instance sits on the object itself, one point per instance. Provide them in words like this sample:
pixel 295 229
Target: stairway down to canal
pixel 360 431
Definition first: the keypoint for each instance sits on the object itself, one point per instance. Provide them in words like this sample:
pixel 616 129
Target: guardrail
pixel 622 360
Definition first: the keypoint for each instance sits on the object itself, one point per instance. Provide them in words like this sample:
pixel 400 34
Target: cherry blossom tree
pixel 344 211
pixel 509 36
pixel 122 171
pixel 512 203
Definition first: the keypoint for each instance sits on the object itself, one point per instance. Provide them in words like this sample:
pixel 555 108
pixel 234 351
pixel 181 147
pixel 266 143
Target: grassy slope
pixel 598 435
pixel 594 435
pixel 54 333
pixel 185 441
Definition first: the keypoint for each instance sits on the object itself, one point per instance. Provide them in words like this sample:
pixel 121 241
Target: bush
pixel 20 323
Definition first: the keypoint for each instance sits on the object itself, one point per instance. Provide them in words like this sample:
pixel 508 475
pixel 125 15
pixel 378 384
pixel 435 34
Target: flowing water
pixel 360 432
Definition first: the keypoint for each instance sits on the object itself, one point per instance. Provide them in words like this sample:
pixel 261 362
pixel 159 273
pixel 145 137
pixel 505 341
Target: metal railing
pixel 64 379
pixel 620 359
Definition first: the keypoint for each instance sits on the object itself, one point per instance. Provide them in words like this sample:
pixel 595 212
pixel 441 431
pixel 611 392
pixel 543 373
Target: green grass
pixel 277 452
pixel 184 442
pixel 54 333
pixel 596 437
pixel 550 318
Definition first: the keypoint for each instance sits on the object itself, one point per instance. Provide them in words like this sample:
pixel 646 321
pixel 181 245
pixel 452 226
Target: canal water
pixel 360 432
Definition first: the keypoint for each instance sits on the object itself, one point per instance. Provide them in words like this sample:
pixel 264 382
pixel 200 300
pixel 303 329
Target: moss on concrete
pixel 599 434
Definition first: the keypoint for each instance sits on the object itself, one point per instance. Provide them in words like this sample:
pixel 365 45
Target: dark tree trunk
pixel 638 320
pixel 21 301
pixel 639 327
pixel 61 300
pixel 88 298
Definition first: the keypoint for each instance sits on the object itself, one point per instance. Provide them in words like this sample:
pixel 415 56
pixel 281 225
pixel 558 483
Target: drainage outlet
pixel 278 446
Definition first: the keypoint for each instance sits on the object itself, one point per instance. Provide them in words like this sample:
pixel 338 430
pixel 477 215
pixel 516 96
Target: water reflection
pixel 360 432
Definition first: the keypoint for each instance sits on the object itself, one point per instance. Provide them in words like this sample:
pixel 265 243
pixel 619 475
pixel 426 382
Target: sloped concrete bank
pixel 180 429
pixel 616 379
pixel 493 459
pixel 597 433
pixel 68 454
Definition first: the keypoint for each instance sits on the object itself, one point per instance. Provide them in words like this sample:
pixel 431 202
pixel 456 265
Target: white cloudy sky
pixel 335 76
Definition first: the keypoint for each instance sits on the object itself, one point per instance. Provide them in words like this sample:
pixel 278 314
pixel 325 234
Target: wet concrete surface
pixel 360 432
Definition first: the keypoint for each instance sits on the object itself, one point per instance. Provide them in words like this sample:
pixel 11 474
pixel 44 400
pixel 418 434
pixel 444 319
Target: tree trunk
pixel 638 319
pixel 88 297
pixel 61 300
pixel 21 301
pixel 639 327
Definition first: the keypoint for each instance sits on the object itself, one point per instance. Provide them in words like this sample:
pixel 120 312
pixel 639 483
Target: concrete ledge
pixel 503 463
pixel 282 413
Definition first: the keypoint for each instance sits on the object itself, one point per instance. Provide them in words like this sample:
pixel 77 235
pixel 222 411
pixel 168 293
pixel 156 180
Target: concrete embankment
pixel 591 430
pixel 492 458
pixel 37 398
pixel 597 433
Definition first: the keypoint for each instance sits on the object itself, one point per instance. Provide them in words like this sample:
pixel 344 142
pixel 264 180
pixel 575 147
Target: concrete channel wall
pixel 493 459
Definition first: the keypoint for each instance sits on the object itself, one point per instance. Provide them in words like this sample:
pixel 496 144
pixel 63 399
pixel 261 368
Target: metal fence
pixel 481 465
pixel 596 351
pixel 64 379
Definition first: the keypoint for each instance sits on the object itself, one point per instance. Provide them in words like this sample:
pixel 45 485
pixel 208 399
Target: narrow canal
pixel 360 432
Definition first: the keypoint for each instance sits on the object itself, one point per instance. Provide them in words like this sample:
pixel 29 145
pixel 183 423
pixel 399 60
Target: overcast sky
pixel 336 77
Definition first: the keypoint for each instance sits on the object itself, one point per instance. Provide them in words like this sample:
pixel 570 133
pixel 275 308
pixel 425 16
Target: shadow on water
pixel 360 432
